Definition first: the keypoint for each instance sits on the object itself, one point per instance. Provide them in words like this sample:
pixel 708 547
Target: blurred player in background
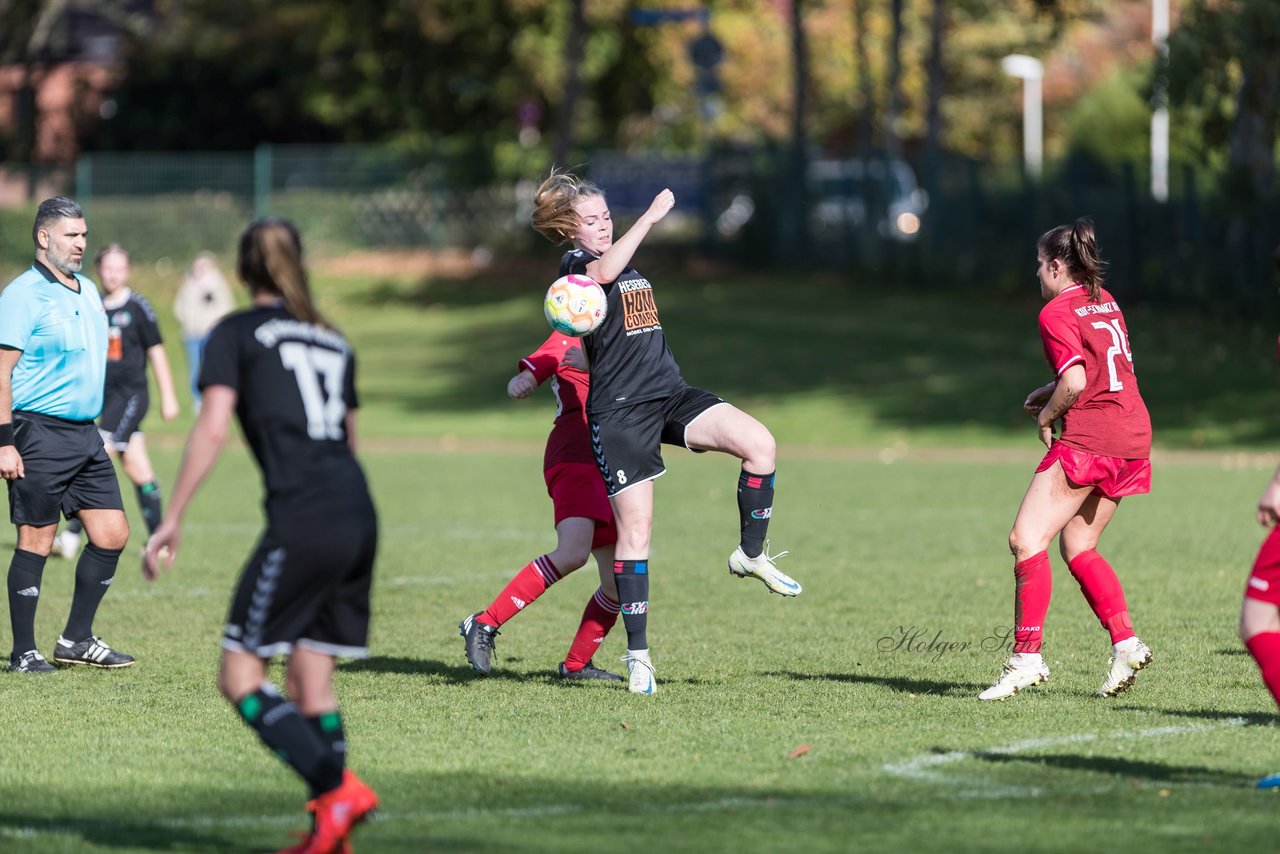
pixel 133 342
pixel 583 518
pixel 638 401
pixel 1102 454
pixel 290 379
pixel 203 298
pixel 1260 611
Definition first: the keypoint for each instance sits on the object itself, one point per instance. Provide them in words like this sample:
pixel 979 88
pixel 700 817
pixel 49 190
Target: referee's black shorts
pixel 66 469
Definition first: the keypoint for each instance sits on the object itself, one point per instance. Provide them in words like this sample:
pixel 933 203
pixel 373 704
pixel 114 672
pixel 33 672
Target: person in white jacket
pixel 203 299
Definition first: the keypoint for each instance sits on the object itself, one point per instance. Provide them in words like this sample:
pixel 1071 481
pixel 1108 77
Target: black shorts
pixel 307 584
pixel 67 469
pixel 628 442
pixel 122 413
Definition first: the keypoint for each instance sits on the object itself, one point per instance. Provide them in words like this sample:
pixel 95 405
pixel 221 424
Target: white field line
pixel 923 768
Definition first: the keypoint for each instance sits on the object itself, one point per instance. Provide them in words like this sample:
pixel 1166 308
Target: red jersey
pixel 1109 417
pixel 570 439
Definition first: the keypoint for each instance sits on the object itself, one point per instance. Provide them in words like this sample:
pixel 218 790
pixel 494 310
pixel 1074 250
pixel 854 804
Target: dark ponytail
pixel 270 262
pixel 1076 246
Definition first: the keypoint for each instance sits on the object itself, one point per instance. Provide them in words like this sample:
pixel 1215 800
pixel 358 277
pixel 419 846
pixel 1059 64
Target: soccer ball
pixel 575 305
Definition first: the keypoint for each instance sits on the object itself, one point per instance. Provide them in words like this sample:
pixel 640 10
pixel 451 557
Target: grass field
pixel 903 459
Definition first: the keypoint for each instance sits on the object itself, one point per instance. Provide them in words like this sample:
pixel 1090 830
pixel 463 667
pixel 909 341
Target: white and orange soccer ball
pixel 575 305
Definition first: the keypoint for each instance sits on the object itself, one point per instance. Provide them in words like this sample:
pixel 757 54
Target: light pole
pixel 1160 103
pixel 1031 72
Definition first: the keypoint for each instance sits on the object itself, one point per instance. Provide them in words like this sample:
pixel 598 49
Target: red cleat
pixel 336 813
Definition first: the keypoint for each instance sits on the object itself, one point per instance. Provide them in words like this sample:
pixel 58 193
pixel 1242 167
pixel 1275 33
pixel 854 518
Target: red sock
pixel 597 618
pixel 1102 590
pixel 1034 579
pixel 521 591
pixel 1265 649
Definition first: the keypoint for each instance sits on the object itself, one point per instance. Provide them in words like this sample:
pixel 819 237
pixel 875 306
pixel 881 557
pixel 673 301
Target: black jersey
pixel 131 331
pixel 629 356
pixel 294 382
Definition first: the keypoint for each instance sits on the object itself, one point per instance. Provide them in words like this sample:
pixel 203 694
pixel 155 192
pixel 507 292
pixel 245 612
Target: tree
pixel 1224 63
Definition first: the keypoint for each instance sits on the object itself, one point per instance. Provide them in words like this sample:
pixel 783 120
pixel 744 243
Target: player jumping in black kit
pixel 289 377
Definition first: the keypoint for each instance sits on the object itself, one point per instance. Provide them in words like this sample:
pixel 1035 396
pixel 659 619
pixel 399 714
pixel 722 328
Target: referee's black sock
pixel 25 572
pixel 328 728
pixel 291 737
pixel 632 577
pixel 94 573
pixel 149 501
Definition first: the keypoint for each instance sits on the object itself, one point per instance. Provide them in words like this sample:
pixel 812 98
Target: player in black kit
pixel 638 401
pixel 133 341
pixel 289 377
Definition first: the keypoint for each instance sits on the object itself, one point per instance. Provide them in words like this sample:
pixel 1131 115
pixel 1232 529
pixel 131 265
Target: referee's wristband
pixel 6 434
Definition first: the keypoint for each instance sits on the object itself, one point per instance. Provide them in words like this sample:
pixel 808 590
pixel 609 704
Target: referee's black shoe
pixel 479 642
pixel 30 661
pixel 91 652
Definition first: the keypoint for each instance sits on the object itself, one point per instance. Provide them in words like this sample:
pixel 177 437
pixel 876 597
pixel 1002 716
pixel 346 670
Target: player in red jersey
pixel 1260 612
pixel 1101 455
pixel 583 518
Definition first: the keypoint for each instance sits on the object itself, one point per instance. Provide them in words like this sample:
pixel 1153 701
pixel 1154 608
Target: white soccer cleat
pixel 67 544
pixel 1022 670
pixel 762 567
pixel 640 672
pixel 1128 657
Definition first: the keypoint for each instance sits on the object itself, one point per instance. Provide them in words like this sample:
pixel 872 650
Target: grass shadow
pixel 113 833
pixel 1118 766
pixel 1249 718
pixel 413 667
pixel 897 683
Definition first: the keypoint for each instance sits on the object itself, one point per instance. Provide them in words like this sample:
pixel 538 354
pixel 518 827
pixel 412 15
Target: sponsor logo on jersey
pixel 1259 583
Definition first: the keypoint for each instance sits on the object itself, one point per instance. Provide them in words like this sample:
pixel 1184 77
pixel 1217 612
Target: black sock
pixel 74 526
pixel 94 573
pixel 25 572
pixel 293 740
pixel 632 577
pixel 149 501
pixel 328 728
pixel 755 506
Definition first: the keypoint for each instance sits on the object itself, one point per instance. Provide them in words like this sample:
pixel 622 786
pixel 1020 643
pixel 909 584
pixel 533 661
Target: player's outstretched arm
pixel 610 265
pixel 218 403
pixel 164 381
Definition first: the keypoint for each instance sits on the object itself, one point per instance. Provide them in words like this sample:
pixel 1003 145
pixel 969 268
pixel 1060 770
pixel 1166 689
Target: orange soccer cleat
pixel 336 813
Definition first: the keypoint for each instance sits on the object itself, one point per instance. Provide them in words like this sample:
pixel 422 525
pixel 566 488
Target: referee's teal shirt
pixel 63 338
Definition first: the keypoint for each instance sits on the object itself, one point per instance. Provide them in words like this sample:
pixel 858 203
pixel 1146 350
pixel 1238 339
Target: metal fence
pixel 761 207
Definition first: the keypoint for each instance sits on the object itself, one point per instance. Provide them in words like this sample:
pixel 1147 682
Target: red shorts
pixel 1264 580
pixel 1114 477
pixel 577 490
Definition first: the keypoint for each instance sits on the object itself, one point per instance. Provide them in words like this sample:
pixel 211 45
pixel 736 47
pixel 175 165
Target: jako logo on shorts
pixel 634 608
pixel 762 514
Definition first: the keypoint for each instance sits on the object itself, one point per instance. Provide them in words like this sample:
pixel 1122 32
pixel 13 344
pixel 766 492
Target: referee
pixel 53 348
